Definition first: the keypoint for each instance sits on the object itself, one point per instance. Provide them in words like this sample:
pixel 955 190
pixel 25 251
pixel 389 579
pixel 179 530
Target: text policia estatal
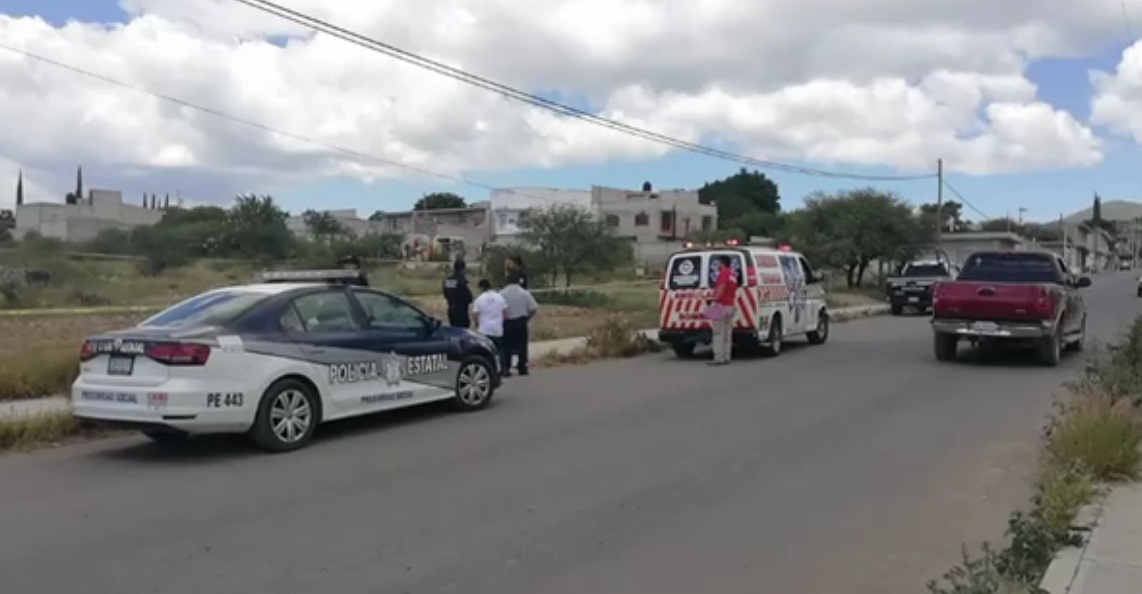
pixel 385 369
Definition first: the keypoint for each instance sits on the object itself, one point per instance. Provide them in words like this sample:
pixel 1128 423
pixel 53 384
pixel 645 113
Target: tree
pixel 951 215
pixel 378 215
pixel 1000 225
pixel 256 228
pixel 741 193
pixel 852 229
pixel 572 240
pixel 323 225
pixel 439 200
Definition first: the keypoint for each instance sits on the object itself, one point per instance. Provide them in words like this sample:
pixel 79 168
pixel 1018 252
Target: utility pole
pixel 939 205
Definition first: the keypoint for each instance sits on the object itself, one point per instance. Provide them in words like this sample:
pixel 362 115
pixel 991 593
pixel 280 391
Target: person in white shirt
pixel 490 308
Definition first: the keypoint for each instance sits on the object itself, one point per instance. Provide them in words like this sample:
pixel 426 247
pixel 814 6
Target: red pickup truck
pixel 1024 297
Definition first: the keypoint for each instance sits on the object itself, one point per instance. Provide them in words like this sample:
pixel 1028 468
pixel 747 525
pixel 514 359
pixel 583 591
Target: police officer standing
pixel 515 273
pixel 458 295
pixel 354 263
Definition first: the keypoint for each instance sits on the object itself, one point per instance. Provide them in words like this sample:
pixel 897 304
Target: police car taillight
pixel 87 352
pixel 179 354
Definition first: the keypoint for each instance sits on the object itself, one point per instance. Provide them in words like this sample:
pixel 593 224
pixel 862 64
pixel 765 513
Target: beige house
pixel 655 221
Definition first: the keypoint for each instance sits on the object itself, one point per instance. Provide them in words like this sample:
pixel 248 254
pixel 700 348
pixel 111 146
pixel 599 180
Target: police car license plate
pixel 913 300
pixel 120 365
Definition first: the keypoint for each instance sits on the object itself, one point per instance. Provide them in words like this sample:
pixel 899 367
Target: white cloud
pixel 1117 102
pixel 892 82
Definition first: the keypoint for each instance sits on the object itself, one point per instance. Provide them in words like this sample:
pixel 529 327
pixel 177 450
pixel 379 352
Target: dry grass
pixel 614 338
pixel 24 432
pixel 1099 434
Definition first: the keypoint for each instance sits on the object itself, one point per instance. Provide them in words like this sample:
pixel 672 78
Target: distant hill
pixel 1115 210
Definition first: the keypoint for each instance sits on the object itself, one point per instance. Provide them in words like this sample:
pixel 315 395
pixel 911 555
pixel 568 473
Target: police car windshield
pixel 209 309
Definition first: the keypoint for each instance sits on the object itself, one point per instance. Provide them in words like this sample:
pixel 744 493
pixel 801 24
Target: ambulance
pixel 779 297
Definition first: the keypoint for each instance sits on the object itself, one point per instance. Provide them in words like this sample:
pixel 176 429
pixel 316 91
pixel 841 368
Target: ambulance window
pixel 809 274
pixel 685 272
pixel 715 266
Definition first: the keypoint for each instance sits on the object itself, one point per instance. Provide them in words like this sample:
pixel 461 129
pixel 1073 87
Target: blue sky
pixel 1063 83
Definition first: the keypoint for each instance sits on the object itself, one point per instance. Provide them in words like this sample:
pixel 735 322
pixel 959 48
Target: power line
pixel 547 104
pixel 965 201
pixel 260 126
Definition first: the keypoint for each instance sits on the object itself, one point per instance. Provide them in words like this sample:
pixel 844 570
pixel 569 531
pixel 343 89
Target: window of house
pixel 667 221
pixel 612 220
pixel 641 219
pixel 707 223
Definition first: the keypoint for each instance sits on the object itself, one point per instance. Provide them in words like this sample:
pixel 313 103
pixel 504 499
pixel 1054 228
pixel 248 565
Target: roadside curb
pixel 845 314
pixel 1064 568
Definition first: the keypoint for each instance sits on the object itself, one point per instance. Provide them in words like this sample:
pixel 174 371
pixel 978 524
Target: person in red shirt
pixel 722 311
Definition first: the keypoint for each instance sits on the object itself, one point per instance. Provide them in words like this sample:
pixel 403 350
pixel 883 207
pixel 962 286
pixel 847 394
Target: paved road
pixel 854 467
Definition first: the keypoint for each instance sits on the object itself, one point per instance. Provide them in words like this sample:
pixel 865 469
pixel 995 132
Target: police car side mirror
pixel 433 324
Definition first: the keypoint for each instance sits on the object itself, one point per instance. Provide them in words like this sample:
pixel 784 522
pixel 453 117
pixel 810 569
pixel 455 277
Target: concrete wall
pixel 102 209
pixel 507 206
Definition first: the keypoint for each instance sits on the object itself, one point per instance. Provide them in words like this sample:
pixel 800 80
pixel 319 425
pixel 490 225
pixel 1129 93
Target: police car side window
pixel 325 312
pixel 385 312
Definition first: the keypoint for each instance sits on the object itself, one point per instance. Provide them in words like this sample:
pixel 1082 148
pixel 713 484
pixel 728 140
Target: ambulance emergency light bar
pixel 333 277
pixel 728 243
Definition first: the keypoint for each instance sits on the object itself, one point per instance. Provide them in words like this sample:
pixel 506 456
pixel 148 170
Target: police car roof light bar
pixel 310 276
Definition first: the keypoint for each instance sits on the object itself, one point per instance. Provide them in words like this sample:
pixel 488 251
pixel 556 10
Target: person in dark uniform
pixel 354 263
pixel 458 295
pixel 515 273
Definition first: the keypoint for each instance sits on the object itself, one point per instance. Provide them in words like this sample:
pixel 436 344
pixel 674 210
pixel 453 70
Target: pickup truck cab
pixel 1020 297
pixel 912 288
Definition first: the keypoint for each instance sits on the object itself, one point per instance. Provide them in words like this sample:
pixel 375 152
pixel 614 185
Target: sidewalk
pixel 50 404
pixel 1110 562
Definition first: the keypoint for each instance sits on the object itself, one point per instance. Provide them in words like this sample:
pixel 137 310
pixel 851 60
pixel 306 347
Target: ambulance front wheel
pixel 684 350
pixel 821 333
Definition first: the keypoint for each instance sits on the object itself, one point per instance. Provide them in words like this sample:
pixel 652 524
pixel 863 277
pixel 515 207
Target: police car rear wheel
pixel 474 387
pixel 287 417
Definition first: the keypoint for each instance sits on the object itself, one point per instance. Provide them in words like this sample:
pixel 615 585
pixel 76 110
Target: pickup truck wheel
pixel 1079 342
pixel 946 346
pixel 1050 350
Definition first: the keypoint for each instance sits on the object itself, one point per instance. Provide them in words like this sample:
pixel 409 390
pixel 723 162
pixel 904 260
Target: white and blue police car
pixel 277 358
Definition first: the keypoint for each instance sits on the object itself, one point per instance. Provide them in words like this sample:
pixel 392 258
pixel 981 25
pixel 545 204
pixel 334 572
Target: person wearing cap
pixel 458 295
pixel 354 263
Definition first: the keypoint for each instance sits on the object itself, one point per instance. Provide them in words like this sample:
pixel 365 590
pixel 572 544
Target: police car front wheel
pixel 474 384
pixel 287 416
